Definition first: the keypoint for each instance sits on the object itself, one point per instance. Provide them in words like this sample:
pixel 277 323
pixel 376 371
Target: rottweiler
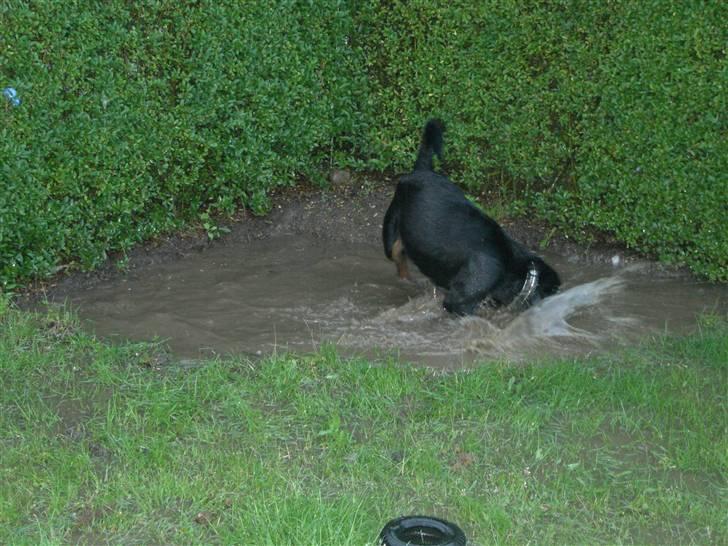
pixel 457 246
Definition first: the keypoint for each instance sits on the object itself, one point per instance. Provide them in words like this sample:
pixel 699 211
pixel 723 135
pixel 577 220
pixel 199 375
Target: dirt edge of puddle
pixel 349 211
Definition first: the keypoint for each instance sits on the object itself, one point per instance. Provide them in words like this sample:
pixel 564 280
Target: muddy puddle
pixel 297 292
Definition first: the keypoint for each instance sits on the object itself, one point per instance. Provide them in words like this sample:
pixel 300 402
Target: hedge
pixel 137 117
pixel 607 115
pixel 140 117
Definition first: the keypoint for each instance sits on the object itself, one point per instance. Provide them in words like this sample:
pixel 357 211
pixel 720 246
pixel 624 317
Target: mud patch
pixel 313 272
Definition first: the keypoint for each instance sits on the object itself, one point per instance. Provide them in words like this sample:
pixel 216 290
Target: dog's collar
pixel 529 287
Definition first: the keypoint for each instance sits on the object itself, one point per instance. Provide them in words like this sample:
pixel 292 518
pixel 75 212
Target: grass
pixel 121 444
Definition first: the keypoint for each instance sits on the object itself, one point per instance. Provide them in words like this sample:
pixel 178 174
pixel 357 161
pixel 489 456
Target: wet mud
pixel 313 272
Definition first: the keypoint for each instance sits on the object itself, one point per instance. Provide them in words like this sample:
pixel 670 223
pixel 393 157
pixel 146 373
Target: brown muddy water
pixel 294 293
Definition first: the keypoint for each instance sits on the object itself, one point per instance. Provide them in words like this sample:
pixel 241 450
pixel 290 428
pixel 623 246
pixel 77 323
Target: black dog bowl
pixel 421 531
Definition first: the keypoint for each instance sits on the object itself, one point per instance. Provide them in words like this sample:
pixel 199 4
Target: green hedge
pixel 139 117
pixel 603 114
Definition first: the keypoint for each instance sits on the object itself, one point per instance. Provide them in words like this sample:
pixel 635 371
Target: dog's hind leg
pixel 393 246
pixel 399 257
pixel 472 284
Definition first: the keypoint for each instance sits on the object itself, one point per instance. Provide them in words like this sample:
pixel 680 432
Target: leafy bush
pixel 138 117
pixel 603 114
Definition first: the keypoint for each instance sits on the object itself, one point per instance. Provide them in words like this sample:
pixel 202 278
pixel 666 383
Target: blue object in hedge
pixel 12 95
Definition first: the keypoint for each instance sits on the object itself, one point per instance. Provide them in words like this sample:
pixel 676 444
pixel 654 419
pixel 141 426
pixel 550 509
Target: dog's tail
pixel 431 144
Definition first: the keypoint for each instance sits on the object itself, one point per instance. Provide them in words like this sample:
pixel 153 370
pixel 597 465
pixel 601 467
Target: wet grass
pixel 121 444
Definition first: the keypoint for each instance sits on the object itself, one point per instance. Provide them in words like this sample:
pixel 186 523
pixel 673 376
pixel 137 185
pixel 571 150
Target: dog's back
pixel 439 223
pixel 452 242
pixel 440 227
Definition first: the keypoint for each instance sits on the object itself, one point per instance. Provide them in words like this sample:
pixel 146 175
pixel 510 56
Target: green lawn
pixel 124 445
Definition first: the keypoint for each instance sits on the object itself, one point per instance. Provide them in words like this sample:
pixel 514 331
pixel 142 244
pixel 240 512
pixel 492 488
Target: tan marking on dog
pixel 399 258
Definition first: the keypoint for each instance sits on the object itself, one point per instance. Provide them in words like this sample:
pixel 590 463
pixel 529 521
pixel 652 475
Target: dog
pixel 455 245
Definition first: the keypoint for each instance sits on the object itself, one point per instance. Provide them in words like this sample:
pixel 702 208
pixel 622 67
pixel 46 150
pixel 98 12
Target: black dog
pixel 452 242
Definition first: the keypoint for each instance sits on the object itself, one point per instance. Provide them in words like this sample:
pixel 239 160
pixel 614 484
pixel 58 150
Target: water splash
pixel 549 321
pixel 421 325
